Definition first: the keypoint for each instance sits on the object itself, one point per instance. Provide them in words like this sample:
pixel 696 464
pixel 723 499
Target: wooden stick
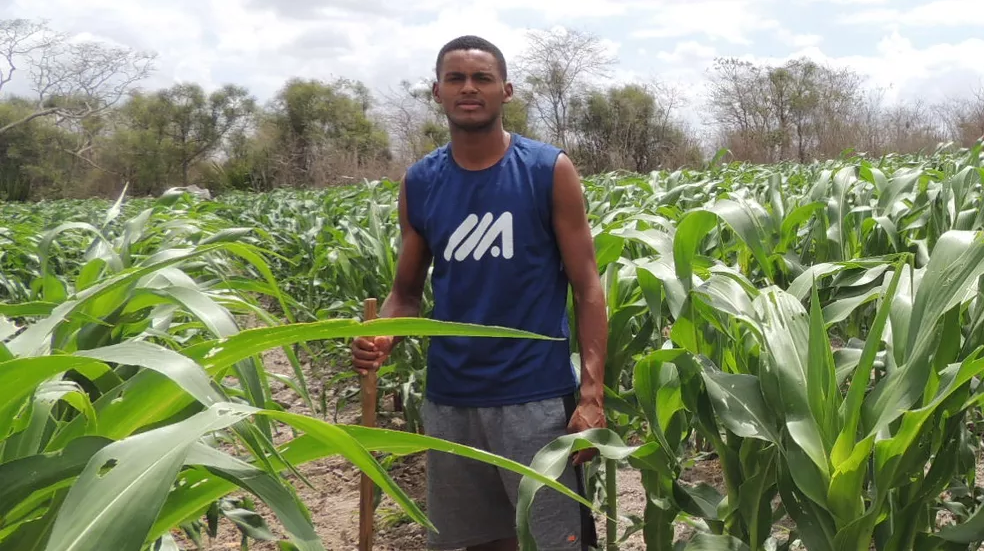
pixel 368 420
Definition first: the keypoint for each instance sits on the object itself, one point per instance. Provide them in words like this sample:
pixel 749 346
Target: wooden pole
pixel 368 420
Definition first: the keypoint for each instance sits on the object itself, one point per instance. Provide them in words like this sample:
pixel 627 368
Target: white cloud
pixel 895 65
pixel 845 2
pixel 728 20
pixel 798 40
pixel 262 43
pixel 566 10
pixel 901 64
pixel 688 52
pixel 938 13
pixel 903 70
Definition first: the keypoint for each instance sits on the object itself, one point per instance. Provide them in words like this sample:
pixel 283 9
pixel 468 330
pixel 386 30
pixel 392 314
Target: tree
pixel 199 123
pixel 963 117
pixel 629 126
pixel 324 131
pixel 414 120
pixel 32 157
pixel 71 81
pixel 797 110
pixel 555 68
pixel 160 137
pixel 516 115
pixel 910 127
pixel 735 105
pixel 20 38
pixel 825 109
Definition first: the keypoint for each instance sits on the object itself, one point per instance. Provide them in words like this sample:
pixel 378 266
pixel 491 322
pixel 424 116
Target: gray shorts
pixel 470 502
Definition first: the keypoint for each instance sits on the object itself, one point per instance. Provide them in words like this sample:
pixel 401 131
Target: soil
pixel 334 499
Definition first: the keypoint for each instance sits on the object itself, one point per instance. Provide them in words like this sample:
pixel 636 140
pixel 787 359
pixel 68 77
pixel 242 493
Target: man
pixel 502 218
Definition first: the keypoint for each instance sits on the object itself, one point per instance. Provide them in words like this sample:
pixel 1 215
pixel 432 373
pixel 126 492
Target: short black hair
pixel 471 42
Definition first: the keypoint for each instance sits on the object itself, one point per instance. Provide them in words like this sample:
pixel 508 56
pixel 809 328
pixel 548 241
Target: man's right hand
pixel 369 353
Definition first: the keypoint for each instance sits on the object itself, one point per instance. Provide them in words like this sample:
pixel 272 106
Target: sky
pixel 909 48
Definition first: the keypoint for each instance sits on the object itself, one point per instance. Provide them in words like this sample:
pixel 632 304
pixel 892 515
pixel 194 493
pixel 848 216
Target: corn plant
pixel 331 248
pixel 817 326
pixel 128 386
pixel 824 338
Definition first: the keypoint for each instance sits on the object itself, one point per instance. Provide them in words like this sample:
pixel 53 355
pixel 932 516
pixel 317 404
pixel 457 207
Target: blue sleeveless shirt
pixel 496 262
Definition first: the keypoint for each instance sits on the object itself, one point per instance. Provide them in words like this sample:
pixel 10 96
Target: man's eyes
pixel 456 78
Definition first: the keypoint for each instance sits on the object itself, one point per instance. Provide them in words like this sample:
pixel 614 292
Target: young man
pixel 502 218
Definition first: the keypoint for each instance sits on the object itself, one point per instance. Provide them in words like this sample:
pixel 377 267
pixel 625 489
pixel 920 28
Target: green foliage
pixel 126 374
pixel 627 127
pixel 824 339
pixel 85 129
pixel 318 122
pixel 32 155
pixel 818 327
pixel 161 136
pixel 517 116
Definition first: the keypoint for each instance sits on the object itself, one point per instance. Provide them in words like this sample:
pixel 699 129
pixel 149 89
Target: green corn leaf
pixel 738 401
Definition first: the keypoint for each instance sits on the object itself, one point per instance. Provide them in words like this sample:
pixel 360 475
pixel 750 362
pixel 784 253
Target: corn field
pixel 815 329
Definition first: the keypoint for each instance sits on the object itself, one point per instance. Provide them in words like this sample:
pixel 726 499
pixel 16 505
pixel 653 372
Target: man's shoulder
pixel 537 152
pixel 527 143
pixel 428 163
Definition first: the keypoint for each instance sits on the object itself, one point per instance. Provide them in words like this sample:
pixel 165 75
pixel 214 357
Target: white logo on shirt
pixel 481 240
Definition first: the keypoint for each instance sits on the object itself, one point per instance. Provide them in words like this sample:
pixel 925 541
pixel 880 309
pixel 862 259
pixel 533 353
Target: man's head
pixel 471 82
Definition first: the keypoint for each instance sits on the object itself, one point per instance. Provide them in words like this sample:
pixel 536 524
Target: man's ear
pixel 508 88
pixel 435 91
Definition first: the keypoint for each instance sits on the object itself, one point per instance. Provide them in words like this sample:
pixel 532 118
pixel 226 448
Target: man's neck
pixel 479 150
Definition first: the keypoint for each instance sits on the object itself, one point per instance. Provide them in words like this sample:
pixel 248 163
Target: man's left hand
pixel 588 415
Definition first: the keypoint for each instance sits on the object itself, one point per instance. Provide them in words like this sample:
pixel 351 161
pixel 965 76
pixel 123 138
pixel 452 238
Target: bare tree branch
pixel 79 155
pixel 19 38
pixel 70 80
pixel 88 77
pixel 555 66
pixel 29 118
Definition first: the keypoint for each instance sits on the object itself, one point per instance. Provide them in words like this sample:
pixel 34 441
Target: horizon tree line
pixel 87 128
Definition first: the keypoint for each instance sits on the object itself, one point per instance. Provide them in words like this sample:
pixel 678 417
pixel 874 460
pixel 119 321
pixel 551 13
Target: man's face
pixel 471 89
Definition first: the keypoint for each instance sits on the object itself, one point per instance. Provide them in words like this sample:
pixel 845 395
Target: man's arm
pixel 406 295
pixel 578 252
pixel 412 263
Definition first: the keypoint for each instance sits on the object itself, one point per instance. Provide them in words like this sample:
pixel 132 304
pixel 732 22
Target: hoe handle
pixel 369 420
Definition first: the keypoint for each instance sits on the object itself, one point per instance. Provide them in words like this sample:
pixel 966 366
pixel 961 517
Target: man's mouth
pixel 470 104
